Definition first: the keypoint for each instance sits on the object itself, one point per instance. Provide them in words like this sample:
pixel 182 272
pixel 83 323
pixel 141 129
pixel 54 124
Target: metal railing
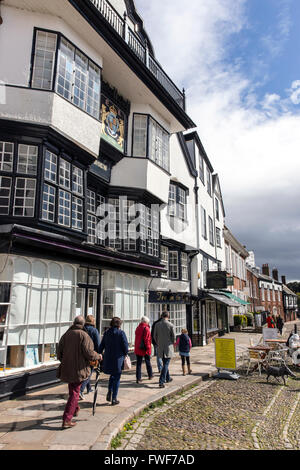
pixel 140 50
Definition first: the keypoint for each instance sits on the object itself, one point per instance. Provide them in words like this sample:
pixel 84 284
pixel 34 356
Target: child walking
pixel 185 344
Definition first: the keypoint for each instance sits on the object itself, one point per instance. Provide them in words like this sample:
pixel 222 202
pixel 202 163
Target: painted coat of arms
pixel 113 124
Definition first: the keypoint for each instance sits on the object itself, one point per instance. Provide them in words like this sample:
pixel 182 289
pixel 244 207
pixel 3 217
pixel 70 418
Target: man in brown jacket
pixel 75 352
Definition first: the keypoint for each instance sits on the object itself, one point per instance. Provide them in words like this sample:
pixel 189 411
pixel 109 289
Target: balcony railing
pixel 140 50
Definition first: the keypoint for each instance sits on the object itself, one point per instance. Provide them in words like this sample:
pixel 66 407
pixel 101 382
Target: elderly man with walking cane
pixel 75 352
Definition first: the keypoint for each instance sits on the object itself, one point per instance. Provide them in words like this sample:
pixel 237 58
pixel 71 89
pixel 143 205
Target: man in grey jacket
pixel 164 337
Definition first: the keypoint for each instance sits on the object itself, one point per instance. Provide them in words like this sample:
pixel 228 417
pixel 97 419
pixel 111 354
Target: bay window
pixel 18 171
pixel 150 140
pixel 78 79
pixel 63 186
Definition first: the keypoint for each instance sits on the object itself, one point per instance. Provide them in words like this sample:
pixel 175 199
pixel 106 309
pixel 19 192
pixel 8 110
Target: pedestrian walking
pixel 115 345
pixel 270 321
pixel 184 344
pixel 165 338
pixel 75 352
pixel 158 359
pixel 279 324
pixel 90 328
pixel 143 348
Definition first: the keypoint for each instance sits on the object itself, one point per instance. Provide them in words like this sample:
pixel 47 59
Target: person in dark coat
pixel 75 351
pixel 164 336
pixel 279 324
pixel 90 328
pixel 158 359
pixel 184 346
pixel 115 345
pixel 143 334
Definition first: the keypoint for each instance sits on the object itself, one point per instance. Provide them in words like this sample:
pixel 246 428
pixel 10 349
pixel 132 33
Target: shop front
pixel 175 303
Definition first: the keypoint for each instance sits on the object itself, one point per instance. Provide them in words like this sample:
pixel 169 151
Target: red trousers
pixel 72 403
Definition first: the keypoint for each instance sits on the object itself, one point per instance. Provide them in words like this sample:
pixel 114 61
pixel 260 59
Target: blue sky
pixel 239 62
pixel 268 46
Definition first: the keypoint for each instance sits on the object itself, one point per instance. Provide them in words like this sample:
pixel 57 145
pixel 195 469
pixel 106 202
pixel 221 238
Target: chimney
pixel 283 279
pixel 266 269
pixel 275 274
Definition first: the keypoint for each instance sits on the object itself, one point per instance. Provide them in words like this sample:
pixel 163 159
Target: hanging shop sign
pixel 158 297
pixel 102 168
pixel 216 279
pixel 225 353
pixel 113 124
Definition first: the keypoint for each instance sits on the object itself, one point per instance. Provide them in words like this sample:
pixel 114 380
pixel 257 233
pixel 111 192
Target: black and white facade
pixel 86 118
pixel 107 205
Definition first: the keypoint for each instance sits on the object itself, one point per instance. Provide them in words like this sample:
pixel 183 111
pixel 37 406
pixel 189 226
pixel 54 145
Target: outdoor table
pixel 264 349
pixel 280 341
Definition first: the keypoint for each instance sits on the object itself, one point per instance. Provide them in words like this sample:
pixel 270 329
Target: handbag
pixel 127 363
pixel 143 347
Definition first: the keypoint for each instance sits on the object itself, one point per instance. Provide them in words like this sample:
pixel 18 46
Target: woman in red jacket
pixel 142 348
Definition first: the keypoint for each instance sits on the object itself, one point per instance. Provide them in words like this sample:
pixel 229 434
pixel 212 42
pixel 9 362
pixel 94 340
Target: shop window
pixel 41 310
pixel 150 140
pixel 125 296
pixel 211 316
pixel 87 293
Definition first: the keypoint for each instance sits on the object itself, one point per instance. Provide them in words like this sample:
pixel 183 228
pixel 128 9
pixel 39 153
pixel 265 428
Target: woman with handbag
pixel 114 343
pixel 142 349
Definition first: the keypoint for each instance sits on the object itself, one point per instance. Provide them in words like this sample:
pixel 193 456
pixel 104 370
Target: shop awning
pixel 224 300
pixel 235 298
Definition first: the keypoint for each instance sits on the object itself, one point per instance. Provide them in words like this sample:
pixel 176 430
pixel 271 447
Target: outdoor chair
pixel 254 359
pixel 277 356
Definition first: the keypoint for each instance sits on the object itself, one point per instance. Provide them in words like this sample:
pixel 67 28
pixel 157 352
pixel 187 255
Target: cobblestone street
pixel 247 414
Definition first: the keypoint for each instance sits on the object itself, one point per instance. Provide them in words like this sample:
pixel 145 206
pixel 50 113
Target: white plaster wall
pixel 141 173
pixel 17 32
pixel 180 173
pixel 47 108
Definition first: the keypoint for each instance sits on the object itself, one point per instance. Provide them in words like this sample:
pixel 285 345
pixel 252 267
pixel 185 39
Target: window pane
pixel 50 166
pixel 80 80
pixel 77 213
pixel 5 193
pixel 64 174
pixel 24 197
pixel 64 208
pixel 65 69
pixel 184 267
pixel 6 156
pixel 27 159
pixel 173 264
pixel 93 92
pixel 44 58
pixel 139 136
pixel 48 208
pixel 77 180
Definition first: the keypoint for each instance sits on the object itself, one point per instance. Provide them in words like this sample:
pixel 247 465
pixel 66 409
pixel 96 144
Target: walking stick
pixel 96 388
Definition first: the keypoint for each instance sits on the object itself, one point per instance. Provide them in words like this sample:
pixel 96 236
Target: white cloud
pixel 253 144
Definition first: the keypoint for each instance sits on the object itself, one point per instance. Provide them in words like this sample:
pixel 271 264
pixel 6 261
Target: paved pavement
pixel 33 422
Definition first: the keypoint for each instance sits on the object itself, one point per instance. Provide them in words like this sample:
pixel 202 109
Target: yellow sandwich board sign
pixel 225 353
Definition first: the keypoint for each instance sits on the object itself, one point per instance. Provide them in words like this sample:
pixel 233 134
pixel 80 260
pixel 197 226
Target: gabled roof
pixel 288 291
pixel 216 184
pixel 186 153
pixel 195 136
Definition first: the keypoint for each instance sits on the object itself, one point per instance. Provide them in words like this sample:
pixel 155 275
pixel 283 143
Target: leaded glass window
pixel 27 159
pixel 24 201
pixel 44 59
